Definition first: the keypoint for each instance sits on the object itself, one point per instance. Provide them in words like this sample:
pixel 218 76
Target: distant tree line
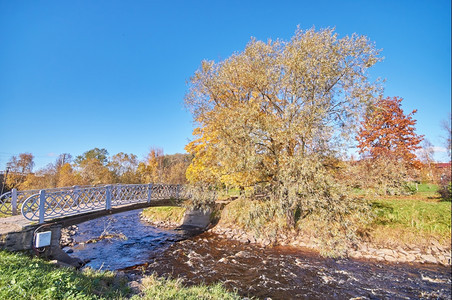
pixel 95 166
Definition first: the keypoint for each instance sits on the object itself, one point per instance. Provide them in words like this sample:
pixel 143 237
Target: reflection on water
pixel 279 273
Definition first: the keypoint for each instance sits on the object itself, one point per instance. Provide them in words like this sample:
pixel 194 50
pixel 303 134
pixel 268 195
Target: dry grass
pixel 171 214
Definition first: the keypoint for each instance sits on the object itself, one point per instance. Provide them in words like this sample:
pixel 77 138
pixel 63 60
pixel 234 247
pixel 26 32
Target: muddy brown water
pixel 278 272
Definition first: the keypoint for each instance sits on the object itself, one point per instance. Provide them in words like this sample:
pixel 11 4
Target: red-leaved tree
pixel 387 132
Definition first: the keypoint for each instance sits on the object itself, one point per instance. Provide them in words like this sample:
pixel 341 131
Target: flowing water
pixel 122 240
pixel 279 272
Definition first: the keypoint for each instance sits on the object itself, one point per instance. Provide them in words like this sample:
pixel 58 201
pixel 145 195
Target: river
pixel 135 247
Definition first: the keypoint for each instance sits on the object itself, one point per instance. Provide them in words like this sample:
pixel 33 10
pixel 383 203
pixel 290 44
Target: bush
pixel 445 190
pixel 335 229
pixel 264 218
pixel 382 176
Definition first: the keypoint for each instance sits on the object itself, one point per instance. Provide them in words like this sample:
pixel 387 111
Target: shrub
pixel 445 187
pixel 382 176
pixel 445 190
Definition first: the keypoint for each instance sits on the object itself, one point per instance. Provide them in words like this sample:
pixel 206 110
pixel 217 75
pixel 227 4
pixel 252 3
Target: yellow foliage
pixel 276 100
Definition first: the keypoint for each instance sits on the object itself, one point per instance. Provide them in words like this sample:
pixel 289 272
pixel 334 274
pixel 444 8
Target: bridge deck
pixel 13 224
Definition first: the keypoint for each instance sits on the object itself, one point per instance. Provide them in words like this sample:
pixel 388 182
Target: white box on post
pixel 43 239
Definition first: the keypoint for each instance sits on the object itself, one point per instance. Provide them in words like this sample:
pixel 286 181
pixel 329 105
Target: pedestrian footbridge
pixel 47 204
pixel 27 214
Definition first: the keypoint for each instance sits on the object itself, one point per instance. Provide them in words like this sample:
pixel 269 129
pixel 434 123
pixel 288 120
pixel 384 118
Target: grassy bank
pixel 160 288
pixel 24 278
pixel 415 220
pixel 165 214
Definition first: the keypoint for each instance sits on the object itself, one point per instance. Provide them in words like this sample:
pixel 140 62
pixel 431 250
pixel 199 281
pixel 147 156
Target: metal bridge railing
pixel 11 202
pixel 41 205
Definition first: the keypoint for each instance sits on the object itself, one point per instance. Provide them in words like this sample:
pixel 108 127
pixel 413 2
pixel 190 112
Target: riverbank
pixel 414 228
pixel 164 216
pixel 405 228
pixel 434 254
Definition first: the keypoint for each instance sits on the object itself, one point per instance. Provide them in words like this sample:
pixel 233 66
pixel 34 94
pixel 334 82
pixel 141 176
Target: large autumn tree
pixel 277 112
pixel 387 132
pixel 276 100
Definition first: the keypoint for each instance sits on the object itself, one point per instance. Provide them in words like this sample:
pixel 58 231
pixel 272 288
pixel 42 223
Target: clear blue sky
pixel 75 75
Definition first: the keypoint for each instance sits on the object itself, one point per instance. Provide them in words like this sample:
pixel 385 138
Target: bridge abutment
pixel 16 235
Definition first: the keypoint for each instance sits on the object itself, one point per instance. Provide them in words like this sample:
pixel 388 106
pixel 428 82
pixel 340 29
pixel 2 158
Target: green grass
pixel 428 190
pixel 155 288
pixel 171 214
pixel 415 219
pixel 421 216
pixel 25 278
pixel 226 194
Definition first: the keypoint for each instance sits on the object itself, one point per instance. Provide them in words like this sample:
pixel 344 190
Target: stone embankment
pixel 435 254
